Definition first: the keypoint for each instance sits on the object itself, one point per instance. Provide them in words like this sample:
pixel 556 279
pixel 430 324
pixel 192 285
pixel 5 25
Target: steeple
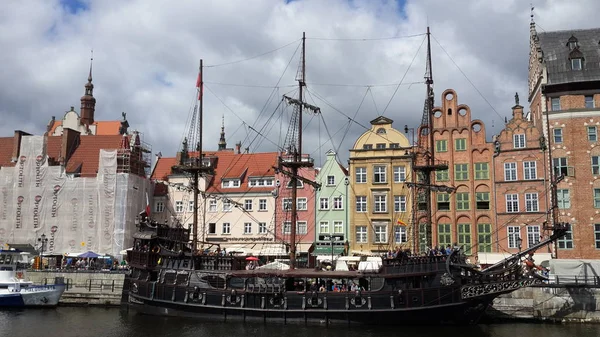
pixel 222 142
pixel 88 102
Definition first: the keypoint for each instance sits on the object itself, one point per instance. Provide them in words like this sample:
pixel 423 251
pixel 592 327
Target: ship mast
pixel 293 160
pixel 194 164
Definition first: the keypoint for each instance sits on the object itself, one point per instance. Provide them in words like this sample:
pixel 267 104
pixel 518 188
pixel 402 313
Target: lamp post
pixel 42 240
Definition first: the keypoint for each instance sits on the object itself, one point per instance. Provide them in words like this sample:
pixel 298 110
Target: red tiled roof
pixel 87 154
pixel 232 165
pixel 6 149
pixel 163 168
pixel 103 128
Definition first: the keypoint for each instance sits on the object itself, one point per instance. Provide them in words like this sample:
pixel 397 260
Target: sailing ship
pixel 170 276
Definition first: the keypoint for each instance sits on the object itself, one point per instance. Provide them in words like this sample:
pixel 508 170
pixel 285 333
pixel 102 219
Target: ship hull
pixel 33 296
pixel 455 313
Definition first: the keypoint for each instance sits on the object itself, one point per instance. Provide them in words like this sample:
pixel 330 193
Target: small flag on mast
pixel 401 223
pixel 199 84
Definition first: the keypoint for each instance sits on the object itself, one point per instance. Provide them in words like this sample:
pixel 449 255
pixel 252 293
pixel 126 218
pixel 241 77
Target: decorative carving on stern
pixel 472 291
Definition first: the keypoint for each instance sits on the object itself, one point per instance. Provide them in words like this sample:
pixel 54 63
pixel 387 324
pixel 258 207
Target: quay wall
pixel 549 304
pixel 85 288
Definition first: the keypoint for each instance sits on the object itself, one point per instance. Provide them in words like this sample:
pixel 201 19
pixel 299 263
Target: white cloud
pixel 146 57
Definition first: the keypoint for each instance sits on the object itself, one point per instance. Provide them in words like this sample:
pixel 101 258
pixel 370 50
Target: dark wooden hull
pixel 465 312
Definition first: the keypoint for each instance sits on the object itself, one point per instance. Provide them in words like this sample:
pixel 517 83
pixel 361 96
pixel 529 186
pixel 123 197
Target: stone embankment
pixel 565 303
pixel 85 288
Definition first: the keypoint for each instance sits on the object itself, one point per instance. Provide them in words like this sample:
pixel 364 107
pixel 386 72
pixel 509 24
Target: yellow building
pixel 380 200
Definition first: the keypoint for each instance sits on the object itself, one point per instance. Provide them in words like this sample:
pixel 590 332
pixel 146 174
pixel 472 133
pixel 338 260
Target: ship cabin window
pixel 237 283
pixel 295 284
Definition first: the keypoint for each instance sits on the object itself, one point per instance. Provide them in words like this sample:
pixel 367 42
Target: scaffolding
pixel 134 156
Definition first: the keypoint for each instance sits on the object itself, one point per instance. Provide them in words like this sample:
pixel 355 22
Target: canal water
pixel 84 322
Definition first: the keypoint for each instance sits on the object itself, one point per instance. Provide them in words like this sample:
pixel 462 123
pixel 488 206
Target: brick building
pixel 564 96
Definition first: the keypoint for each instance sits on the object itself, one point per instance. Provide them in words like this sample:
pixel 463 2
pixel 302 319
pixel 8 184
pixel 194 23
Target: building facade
pixel 464 216
pixel 564 98
pixel 521 198
pixel 379 198
pixel 332 208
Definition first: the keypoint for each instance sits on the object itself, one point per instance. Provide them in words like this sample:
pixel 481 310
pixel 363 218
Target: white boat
pixel 17 291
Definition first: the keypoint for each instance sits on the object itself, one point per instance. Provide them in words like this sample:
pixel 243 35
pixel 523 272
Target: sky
pixel 363 59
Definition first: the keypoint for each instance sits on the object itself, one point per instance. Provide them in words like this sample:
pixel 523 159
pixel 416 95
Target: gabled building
pixel 564 98
pixel 379 198
pixel 332 212
pixel 521 198
pixel 466 215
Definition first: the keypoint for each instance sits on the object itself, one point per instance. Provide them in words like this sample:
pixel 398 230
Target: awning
pixel 363 252
pixel 271 250
pixel 326 250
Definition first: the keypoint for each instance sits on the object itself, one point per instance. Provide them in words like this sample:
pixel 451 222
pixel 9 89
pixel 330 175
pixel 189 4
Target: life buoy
pixel 156 249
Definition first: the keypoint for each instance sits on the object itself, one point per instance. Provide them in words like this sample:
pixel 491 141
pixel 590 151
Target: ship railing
pixel 573 280
pixel 142 259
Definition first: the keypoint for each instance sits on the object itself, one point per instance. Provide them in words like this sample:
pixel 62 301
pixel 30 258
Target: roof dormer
pixel 573 43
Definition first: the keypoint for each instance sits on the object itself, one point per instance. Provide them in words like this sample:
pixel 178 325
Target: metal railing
pixel 591 281
pixel 95 285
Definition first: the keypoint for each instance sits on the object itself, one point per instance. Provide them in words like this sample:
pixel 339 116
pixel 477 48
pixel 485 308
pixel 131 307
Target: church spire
pixel 88 102
pixel 222 142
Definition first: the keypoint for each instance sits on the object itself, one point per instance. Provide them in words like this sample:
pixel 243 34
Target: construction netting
pixel 76 214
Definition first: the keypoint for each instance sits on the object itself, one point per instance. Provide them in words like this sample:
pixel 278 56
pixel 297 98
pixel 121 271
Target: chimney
pixel 68 145
pixel 17 145
pixel 238 147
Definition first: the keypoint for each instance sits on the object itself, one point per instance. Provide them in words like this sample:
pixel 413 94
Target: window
pixel 262 204
pixel 442 175
pixel 576 63
pixel 324 203
pixel 566 242
pixel 330 180
pixel 399 203
pixel 212 205
pixel 302 204
pixel 361 203
pixel 287 227
pixel 248 204
pixel 441 145
pixel 555 103
pixel 394 145
pixel 533 236
pixel 529 170
pixel 212 228
pixel 460 144
pixel 262 228
pixel 338 227
pixel 573 43
pixel 399 174
pixel 560 166
pixel 514 233
pixel 230 183
pixel 361 234
pixel 558 136
pixel 595 165
pixel 226 205
pixel 380 202
pixel 519 141
pixel 444 234
pixel 380 233
pixel 261 182
pixel 159 207
pixel 461 171
pixel 482 200
pixel 510 171
pixel 596 197
pixel 531 202
pixel 286 203
pixel 360 174
pixel 563 198
pixel 512 203
pixel 482 171
pixel 299 184
pixel 191 206
pixel 301 227
pixel 592 134
pixel 464 236
pixel 589 102
pixel 324 227
pixel 597 235
pixel 380 131
pixel 380 146
pixel 247 228
pixel 338 203
pixel 179 206
pixel 443 201
pixel 368 147
pixel 484 237
pixel 399 234
pixel 226 228
pixel 379 175
pixel 462 201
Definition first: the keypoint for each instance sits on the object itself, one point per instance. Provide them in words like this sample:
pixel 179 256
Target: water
pixel 83 322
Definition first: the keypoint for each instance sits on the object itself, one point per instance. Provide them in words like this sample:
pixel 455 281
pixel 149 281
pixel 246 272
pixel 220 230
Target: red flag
pixel 199 85
pixel 147 205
